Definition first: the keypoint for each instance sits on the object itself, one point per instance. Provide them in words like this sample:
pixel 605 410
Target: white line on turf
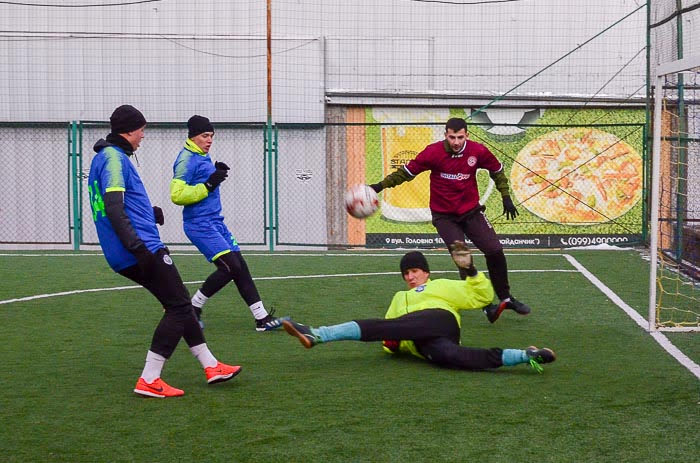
pixel 663 341
pixel 285 254
pixel 287 277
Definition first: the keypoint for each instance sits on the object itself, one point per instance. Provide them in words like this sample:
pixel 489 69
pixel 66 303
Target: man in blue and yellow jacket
pixel 195 185
pixel 425 321
pixel 127 231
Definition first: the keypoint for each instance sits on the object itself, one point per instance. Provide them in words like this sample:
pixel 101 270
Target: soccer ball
pixel 361 201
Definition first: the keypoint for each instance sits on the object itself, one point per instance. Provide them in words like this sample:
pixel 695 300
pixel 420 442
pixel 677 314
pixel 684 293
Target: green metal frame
pixel 75 143
pixel 275 179
pixel 270 136
pixel 682 143
pixel 75 183
pixel 646 158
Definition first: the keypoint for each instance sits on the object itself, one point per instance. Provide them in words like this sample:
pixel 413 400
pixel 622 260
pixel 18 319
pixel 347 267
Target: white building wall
pixel 175 58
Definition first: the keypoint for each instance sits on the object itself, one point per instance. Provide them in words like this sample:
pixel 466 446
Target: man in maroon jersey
pixel 454 202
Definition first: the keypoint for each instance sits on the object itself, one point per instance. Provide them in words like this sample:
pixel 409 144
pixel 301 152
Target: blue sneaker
pixel 270 322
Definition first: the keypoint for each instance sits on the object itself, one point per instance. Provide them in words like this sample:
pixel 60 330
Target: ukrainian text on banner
pixel 576 175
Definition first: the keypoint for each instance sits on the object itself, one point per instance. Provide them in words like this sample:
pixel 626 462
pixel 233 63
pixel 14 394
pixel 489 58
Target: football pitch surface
pixel 71 358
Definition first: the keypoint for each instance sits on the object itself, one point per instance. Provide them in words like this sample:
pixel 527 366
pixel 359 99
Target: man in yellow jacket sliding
pixel 425 320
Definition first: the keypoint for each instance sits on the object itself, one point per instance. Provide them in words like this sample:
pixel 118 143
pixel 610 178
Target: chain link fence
pixel 35 177
pixel 242 194
pixel 577 177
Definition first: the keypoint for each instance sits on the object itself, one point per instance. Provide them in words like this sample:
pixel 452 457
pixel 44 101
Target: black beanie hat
pixel 414 259
pixel 126 119
pixel 197 125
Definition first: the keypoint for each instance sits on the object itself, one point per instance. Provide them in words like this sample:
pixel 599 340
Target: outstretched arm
pixel 395 178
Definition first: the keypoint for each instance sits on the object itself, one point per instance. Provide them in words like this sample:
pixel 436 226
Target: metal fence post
pixel 75 185
pixel 270 147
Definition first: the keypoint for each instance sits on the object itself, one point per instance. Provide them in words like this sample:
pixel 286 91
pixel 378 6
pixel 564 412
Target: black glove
pixel 158 214
pixel 377 187
pixel 221 165
pixel 146 260
pixel 509 208
pixel 218 176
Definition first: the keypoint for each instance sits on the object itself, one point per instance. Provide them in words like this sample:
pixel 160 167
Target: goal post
pixel 674 279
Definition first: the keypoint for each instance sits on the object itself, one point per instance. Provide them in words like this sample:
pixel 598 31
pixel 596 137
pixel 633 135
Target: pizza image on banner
pixel 577 176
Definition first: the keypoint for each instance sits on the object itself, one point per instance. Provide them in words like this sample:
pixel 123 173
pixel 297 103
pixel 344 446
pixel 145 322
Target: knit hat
pixel 197 125
pixel 126 119
pixel 414 259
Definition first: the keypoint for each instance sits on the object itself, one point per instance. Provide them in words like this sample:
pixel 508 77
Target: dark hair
pixel 456 124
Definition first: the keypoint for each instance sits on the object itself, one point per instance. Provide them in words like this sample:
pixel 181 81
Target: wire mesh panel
pixel 331 70
pixel 242 194
pixel 674 30
pixel 403 48
pixel 77 60
pixel 301 195
pixel 574 184
pixel 35 177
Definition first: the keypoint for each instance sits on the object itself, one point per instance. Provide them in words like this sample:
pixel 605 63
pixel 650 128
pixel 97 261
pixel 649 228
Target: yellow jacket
pixel 451 295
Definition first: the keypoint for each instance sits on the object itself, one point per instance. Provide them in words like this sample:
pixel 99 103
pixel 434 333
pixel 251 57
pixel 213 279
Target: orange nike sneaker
pixel 221 372
pixel 157 388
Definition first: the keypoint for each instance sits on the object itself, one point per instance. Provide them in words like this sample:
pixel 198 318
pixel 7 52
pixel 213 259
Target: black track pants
pixel 179 320
pixel 232 266
pixel 435 333
pixel 477 228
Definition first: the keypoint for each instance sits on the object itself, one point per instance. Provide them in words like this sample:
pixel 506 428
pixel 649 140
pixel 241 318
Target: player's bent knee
pixel 232 263
pixel 179 310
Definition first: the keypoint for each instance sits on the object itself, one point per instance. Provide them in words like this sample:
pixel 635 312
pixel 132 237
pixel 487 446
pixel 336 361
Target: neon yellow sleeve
pixel 480 292
pixel 183 194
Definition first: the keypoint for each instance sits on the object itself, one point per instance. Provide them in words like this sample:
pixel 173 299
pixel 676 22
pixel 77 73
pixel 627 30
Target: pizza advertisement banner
pixel 576 175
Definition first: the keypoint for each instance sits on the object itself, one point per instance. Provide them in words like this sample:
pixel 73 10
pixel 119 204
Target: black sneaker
pixel 493 311
pixel 516 305
pixel 539 356
pixel 198 314
pixel 301 332
pixel 270 322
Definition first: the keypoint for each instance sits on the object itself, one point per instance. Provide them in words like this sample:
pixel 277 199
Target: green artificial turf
pixel 70 363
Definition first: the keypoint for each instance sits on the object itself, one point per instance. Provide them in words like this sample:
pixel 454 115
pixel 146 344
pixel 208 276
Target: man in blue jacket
pixel 195 185
pixel 127 231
